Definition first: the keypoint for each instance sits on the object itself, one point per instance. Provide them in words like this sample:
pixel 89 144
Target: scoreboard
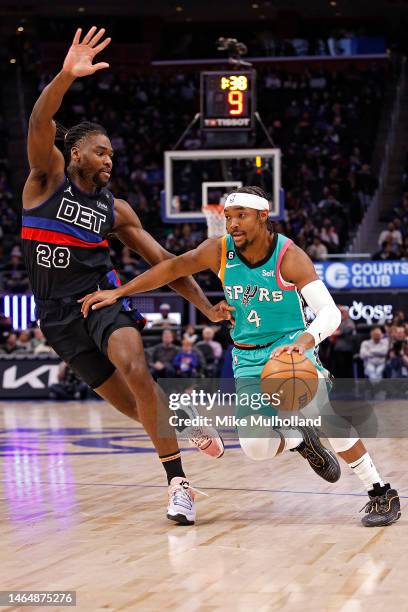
pixel 227 100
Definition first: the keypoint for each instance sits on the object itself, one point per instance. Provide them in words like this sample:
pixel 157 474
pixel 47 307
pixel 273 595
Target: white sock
pixel 365 469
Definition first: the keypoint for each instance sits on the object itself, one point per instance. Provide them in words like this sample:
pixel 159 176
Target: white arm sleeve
pixel 328 316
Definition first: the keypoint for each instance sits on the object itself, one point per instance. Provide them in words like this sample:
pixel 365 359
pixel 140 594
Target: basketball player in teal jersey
pixel 264 276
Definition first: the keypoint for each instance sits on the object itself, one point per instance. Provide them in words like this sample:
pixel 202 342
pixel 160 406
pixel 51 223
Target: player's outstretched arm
pixel 297 268
pixel 44 158
pixel 128 229
pixel 161 274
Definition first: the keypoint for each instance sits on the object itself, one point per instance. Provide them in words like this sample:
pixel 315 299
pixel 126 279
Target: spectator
pixel 317 251
pixel 6 327
pixel 69 386
pixel 162 356
pixel 392 235
pixel 129 264
pixel 24 341
pixel 386 253
pixel 397 361
pixel 344 342
pixel 211 350
pixel 397 334
pixel 187 362
pixel 208 334
pixel 165 320
pixel 329 236
pixel 190 333
pixel 373 352
pixel 10 346
pixel 399 318
pixel 39 344
pixel 14 276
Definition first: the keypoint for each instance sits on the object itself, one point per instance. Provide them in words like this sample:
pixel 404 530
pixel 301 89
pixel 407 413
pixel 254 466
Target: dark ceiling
pixel 206 10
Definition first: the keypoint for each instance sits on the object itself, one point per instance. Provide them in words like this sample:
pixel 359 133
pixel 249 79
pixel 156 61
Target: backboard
pixel 197 178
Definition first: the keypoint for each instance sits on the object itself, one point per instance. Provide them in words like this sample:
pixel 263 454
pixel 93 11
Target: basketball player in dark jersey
pixel 68 213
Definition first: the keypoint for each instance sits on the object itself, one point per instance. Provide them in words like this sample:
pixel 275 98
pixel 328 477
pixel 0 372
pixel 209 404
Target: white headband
pixel 247 200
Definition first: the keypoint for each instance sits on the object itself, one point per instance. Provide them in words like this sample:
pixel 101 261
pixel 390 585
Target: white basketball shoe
pixel 181 506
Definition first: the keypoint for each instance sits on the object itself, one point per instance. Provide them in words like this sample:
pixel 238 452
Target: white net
pixel 214 215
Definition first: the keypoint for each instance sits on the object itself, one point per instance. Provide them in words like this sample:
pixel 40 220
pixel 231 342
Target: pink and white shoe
pixel 181 506
pixel 207 440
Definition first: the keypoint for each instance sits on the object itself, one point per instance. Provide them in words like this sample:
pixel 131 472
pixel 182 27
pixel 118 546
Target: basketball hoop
pixel 214 216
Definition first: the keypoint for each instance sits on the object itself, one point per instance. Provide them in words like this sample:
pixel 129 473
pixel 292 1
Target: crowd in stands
pixel 12 271
pixel 382 351
pixel 324 122
pixel 393 240
pixel 198 41
pixel 173 351
pixel 191 357
pixel 378 353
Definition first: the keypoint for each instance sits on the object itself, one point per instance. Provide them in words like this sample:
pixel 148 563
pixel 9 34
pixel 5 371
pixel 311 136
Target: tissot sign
pixel 364 274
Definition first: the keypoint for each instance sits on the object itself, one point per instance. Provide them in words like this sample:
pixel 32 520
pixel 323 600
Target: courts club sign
pixel 364 274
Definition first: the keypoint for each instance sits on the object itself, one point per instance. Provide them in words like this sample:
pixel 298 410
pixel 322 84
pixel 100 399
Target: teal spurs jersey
pixel 266 306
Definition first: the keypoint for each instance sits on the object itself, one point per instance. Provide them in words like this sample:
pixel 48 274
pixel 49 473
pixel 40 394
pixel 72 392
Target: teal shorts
pixel 248 365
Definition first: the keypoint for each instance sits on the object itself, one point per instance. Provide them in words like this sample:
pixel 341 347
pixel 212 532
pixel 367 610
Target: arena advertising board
pixel 27 378
pixel 364 274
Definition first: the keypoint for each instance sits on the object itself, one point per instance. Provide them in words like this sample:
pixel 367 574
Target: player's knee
pixel 255 448
pixel 135 368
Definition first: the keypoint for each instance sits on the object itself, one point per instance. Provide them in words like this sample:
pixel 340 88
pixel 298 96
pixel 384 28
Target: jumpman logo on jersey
pixel 69 190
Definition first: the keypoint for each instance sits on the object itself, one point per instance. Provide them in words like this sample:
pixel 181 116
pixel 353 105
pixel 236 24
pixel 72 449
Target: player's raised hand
pixel 97 300
pixel 78 61
pixel 221 312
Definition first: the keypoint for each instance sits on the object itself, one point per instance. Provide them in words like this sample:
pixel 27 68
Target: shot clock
pixel 227 100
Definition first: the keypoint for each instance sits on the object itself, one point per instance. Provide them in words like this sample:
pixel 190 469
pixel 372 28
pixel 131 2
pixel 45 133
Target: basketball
pixel 294 377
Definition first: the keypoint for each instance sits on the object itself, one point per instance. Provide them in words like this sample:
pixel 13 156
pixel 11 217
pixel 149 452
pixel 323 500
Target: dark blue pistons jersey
pixel 65 244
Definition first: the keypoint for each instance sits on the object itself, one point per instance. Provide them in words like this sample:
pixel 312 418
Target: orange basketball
pixel 293 377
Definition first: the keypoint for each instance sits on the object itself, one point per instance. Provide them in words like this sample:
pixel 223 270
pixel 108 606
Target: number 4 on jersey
pixel 253 318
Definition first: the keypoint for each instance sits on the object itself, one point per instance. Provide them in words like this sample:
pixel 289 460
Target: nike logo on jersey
pixel 232 265
pixel 292 336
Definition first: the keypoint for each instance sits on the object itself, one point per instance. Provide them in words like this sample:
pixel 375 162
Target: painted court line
pixel 142 486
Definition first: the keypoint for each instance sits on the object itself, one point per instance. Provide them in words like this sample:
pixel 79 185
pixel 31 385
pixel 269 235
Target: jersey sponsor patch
pixel 102 205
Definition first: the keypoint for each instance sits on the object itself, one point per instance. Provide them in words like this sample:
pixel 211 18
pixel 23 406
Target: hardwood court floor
pixel 83 503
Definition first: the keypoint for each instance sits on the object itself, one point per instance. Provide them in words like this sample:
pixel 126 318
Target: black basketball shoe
pixel 320 459
pixel 383 509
